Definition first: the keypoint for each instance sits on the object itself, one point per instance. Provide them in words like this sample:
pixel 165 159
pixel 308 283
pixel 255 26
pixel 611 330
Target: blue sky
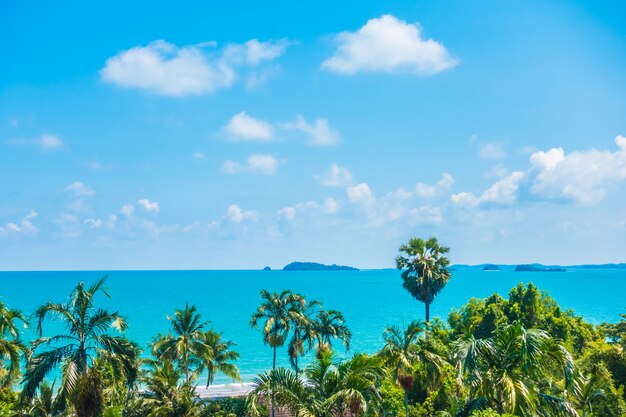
pixel 151 135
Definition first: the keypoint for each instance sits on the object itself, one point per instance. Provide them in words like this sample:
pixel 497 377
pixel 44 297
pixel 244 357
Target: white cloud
pixel 319 132
pixel 25 226
pixel 149 206
pixel 581 176
pixel 255 164
pixel 127 210
pixel 78 189
pixel 198 156
pixel 361 194
pixel 502 192
pixel 235 214
pixel 244 127
pixel 336 176
pixel 388 44
pixel 166 69
pixel 428 191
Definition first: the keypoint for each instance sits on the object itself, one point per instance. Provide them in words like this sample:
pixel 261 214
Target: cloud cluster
pixel 165 69
pixel 581 177
pixel 388 45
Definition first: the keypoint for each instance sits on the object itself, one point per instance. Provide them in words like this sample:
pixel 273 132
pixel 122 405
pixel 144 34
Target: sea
pixel 369 299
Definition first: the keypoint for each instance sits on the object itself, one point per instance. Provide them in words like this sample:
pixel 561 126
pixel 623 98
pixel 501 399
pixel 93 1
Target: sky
pixel 235 135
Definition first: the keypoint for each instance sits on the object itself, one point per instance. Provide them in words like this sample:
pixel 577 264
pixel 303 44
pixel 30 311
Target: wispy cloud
pixel 255 164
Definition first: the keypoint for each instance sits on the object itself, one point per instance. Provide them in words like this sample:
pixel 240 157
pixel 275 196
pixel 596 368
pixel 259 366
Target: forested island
pixel 538 268
pixel 314 266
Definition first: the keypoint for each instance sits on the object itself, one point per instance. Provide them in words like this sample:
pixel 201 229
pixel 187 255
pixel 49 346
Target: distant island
pixel 491 268
pixel 314 266
pixel 267 268
pixel 535 268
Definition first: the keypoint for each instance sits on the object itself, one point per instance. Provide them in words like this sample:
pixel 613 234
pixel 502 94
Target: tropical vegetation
pixel 517 354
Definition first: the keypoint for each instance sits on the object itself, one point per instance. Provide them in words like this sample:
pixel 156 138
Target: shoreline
pixel 217 391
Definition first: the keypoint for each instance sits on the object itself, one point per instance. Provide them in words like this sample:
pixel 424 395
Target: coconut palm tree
pixel 278 312
pixel 184 344
pixel 403 351
pixel 330 325
pixel 326 388
pixel 87 338
pixel 11 347
pixel 424 269
pixel 166 392
pixel 220 357
pixel 505 371
pixel 304 334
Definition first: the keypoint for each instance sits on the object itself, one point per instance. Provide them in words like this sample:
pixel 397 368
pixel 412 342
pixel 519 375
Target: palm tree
pixel 424 269
pixel 11 347
pixel 330 325
pixel 220 357
pixel 86 340
pixel 588 390
pixel 279 311
pixel 402 351
pixel 165 394
pixel 43 405
pixel 185 342
pixel 504 371
pixel 304 334
pixel 327 388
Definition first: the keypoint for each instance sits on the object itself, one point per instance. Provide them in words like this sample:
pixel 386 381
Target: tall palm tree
pixel 88 338
pixel 505 371
pixel 185 343
pixel 11 347
pixel 424 269
pixel 304 334
pixel 330 325
pixel 278 311
pixel 220 357
pixel 327 388
pixel 403 351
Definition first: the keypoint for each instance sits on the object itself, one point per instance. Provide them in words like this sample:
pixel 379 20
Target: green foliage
pixel 225 407
pixel 527 305
pixel 392 404
pixel 8 402
pixel 489 413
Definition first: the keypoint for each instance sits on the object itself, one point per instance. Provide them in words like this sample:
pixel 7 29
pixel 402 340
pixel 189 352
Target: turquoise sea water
pixel 370 300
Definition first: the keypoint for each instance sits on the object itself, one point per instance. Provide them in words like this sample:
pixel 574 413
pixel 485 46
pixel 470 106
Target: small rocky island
pixel 537 268
pixel 491 268
pixel 314 266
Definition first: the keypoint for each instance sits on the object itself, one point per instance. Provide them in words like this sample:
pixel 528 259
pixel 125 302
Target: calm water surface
pixel 370 300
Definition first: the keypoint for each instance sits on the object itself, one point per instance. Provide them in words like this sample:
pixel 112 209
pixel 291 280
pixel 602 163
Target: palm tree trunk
pixel 406 403
pixel 297 366
pixel 273 367
pixel 427 312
